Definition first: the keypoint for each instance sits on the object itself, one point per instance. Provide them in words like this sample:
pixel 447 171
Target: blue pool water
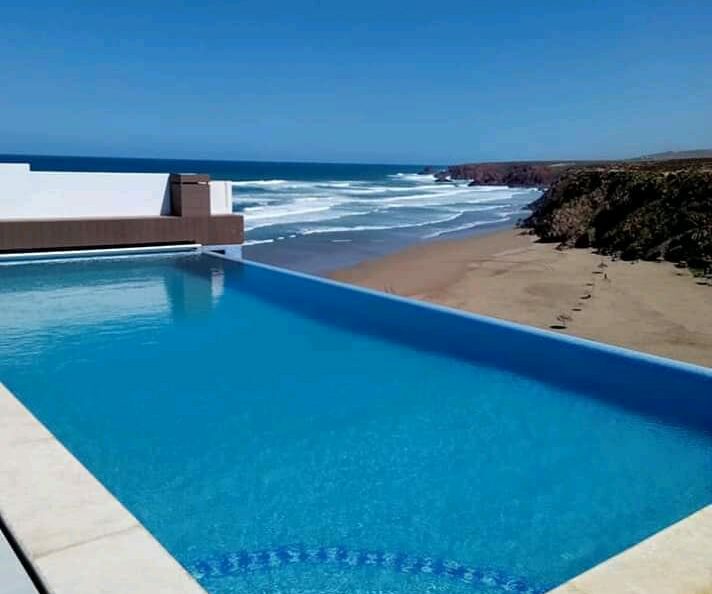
pixel 359 443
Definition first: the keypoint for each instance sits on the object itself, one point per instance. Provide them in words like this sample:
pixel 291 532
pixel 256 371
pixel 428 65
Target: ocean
pixel 318 217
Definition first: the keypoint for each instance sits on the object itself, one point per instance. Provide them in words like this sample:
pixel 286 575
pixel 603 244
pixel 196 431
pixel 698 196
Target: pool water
pixel 281 435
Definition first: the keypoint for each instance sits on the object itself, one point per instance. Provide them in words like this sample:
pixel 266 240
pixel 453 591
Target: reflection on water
pixel 67 297
pixel 194 294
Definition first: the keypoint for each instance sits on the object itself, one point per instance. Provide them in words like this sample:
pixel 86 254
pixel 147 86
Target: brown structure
pixel 190 195
pixel 189 222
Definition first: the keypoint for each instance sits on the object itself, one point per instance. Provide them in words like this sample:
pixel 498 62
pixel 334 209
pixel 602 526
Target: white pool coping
pixel 76 535
pixel 676 560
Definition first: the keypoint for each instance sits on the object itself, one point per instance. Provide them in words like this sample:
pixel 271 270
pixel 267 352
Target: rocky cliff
pixel 527 174
pixel 545 173
pixel 646 210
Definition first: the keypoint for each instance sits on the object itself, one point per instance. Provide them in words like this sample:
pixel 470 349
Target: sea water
pixel 316 217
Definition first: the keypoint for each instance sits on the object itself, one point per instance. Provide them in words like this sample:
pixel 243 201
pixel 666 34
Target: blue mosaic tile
pixel 253 561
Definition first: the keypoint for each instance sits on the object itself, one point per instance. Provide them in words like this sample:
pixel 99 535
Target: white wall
pixel 27 194
pixel 220 197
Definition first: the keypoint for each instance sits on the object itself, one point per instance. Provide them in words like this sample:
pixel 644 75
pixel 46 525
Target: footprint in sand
pixel 563 320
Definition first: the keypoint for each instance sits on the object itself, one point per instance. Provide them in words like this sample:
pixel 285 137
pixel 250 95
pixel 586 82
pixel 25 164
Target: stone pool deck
pixel 76 535
pixel 676 560
pixel 79 539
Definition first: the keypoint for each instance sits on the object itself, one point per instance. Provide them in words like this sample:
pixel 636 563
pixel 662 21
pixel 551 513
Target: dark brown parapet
pixel 61 234
pixel 190 195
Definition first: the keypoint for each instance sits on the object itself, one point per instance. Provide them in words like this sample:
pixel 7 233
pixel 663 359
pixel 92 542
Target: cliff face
pixel 545 173
pixel 638 211
pixel 509 174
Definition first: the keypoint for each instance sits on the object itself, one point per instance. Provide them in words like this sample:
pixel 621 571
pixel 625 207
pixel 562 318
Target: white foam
pixel 503 217
pixel 374 190
pixel 260 182
pixel 414 177
pixel 455 229
pixel 267 219
pixel 436 199
pixel 343 229
pixel 258 213
pixel 490 188
pixel 281 184
pixel 252 200
pixel 257 241
pixel 329 206
pixel 296 212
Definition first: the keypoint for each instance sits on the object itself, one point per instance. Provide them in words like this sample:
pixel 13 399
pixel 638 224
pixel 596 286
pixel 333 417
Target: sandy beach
pixel 646 306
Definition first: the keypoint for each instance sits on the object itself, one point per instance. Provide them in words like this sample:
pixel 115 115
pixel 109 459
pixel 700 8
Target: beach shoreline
pixel 646 306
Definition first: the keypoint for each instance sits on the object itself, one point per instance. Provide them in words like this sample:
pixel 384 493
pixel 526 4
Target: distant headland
pixel 541 174
pixel 653 207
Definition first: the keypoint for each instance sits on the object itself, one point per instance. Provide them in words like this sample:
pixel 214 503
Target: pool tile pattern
pixel 270 559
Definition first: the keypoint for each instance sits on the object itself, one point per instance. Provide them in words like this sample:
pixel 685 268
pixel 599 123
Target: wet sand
pixel 646 306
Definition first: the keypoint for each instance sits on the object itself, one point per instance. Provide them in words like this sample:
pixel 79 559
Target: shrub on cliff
pixel 633 212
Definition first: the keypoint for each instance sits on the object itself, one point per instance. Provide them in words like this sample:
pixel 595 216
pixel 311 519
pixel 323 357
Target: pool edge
pixel 663 560
pixel 76 536
pixel 122 554
pixel 589 343
pixel 674 560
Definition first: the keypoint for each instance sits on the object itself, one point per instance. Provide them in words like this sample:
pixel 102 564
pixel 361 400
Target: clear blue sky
pixel 368 80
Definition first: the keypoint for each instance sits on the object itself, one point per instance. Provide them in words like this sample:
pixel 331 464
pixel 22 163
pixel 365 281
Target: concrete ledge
pixel 77 536
pixel 677 560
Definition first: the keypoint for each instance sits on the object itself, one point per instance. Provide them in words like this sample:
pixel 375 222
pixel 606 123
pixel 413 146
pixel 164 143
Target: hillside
pixel 669 155
pixel 544 173
pixel 528 174
pixel 646 210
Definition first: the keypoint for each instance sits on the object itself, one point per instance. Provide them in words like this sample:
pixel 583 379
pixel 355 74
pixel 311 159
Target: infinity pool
pixel 278 434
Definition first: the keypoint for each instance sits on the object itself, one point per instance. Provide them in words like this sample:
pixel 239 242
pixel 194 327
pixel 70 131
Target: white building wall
pixel 27 194
pixel 220 197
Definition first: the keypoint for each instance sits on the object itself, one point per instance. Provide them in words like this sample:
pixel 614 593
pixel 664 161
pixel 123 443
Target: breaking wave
pixel 353 209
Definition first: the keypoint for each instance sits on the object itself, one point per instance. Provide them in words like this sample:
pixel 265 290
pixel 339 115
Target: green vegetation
pixel 646 210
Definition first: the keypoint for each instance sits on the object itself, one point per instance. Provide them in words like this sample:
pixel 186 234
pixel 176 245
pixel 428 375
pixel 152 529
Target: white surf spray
pixel 399 203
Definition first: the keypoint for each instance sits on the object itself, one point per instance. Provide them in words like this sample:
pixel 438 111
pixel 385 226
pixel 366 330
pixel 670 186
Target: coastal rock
pixel 642 211
pixel 542 174
pixel 515 174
